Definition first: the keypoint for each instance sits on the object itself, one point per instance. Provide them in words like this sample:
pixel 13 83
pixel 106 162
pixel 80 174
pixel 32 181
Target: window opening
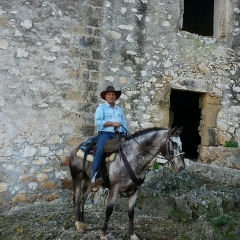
pixel 198 17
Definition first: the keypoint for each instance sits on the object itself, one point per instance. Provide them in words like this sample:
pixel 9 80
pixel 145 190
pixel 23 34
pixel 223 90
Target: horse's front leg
pixel 131 204
pixel 113 193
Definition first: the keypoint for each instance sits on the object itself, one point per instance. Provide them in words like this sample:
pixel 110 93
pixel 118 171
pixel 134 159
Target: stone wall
pixel 56 57
pixel 50 54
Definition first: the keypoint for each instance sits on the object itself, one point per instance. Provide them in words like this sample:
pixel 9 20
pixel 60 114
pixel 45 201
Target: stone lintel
pixel 189 84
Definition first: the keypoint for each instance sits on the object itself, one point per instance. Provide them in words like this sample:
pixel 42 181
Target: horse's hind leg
pixel 131 204
pixel 81 189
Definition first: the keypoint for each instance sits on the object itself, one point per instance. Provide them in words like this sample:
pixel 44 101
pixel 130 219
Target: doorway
pixel 185 112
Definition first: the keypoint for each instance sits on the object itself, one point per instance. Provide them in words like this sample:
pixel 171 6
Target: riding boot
pixel 96 182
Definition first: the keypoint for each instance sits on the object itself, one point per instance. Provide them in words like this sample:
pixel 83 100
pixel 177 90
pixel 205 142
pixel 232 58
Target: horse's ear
pixel 179 130
pixel 176 131
pixel 172 131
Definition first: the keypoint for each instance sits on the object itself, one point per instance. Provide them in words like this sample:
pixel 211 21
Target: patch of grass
pixel 220 221
pixel 200 236
pixel 155 166
pixel 227 225
pixel 231 144
pixel 179 214
pixel 185 238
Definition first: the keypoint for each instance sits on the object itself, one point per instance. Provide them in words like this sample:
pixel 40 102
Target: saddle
pixel 88 148
pixel 90 157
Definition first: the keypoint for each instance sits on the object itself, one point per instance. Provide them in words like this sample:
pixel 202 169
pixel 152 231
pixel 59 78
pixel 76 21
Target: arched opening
pixel 185 111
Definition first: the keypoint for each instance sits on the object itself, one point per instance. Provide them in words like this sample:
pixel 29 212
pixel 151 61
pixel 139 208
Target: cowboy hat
pixel 110 89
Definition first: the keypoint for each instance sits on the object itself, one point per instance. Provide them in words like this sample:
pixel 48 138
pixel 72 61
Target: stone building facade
pixel 57 56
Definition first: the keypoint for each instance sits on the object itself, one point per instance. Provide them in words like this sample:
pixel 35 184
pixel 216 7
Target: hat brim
pixel 103 93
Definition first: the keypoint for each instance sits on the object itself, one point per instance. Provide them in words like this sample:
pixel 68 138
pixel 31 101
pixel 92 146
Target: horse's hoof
pixel 80 226
pixel 134 237
pixel 103 237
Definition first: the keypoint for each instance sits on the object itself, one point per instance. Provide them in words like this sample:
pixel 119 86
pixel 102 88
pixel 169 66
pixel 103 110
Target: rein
pixel 139 181
pixel 169 156
pixel 138 142
pixel 167 140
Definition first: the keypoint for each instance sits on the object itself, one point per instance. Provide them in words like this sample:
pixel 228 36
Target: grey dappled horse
pixel 140 149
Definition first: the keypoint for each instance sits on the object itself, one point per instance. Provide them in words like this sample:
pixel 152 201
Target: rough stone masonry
pixel 56 57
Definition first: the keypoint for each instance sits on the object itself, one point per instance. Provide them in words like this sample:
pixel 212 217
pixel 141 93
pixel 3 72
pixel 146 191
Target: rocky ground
pixel 181 207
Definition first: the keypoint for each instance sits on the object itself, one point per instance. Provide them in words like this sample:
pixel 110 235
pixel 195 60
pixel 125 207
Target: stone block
pixel 3 187
pixel 164 104
pixel 209 115
pixel 161 119
pixel 221 156
pixel 21 197
pixel 97 12
pixel 209 137
pixel 94 76
pixel 211 99
pixel 85 53
pixel 87 10
pixel 97 32
pixel 48 185
pixel 66 183
pixel 93 65
pixel 96 55
pixel 3 21
pixel 96 3
pixel 222 138
pixel 93 22
pixel 82 73
pixel 88 130
pixel 51 197
pixel 204 155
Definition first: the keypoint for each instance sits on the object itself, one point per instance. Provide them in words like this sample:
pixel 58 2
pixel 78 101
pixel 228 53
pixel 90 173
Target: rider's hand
pixel 116 124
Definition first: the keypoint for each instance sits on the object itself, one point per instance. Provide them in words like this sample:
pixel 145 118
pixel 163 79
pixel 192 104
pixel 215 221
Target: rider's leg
pixel 102 138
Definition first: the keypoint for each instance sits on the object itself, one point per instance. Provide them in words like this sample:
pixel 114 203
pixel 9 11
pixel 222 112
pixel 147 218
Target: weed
pixel 231 144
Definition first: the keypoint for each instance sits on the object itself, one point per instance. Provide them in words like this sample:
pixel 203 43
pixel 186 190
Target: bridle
pixel 169 155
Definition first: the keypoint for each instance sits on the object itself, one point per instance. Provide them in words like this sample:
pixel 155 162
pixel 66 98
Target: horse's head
pixel 174 152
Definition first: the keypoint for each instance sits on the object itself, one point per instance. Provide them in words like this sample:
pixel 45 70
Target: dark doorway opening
pixel 198 17
pixel 184 107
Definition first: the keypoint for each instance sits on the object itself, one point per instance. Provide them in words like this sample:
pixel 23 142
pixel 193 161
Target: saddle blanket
pixel 110 158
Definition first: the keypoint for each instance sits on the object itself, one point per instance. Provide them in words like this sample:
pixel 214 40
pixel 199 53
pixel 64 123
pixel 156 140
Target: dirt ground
pixel 154 219
pixel 45 221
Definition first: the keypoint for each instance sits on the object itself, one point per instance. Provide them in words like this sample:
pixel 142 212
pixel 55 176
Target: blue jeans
pixel 100 154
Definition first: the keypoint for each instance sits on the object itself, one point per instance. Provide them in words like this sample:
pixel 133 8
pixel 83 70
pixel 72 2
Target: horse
pixel 126 173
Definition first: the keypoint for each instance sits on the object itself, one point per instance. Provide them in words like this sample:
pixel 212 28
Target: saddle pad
pixel 80 154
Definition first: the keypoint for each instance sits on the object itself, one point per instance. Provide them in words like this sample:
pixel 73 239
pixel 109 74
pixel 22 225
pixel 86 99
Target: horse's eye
pixel 174 144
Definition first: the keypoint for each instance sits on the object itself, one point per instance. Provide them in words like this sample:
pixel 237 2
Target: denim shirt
pixel 105 113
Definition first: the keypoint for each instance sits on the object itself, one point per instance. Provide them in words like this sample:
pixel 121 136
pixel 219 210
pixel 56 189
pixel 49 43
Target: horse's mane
pixel 144 131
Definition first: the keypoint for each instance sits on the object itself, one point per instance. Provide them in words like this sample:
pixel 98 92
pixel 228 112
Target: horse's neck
pixel 150 145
